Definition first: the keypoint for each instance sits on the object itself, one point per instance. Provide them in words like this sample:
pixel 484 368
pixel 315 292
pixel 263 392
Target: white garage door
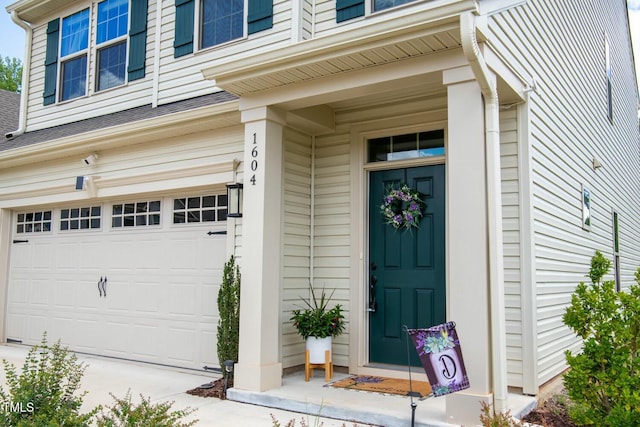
pixel 135 279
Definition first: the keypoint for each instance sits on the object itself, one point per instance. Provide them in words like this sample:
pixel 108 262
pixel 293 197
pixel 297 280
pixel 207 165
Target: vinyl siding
pixel 134 94
pixel 53 181
pixel 332 225
pixel 511 244
pixel 297 240
pixel 569 127
pixel 181 78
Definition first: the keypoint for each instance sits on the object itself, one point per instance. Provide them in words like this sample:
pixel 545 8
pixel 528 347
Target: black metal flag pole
pixel 414 405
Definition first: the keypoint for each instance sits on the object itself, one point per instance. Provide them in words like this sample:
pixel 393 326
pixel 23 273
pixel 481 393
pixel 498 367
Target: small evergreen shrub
pixel 229 312
pixel 44 392
pixel 604 379
pixel 490 418
pixel 124 413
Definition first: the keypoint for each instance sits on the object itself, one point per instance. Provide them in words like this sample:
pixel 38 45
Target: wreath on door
pixel 402 208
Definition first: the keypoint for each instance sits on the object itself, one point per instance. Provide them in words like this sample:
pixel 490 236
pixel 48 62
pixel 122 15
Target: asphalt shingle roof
pixel 108 120
pixel 9 111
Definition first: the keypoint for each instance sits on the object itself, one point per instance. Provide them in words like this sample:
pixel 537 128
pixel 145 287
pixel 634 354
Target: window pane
pixel 194 216
pixel 208 216
pixel 154 206
pixel 378 149
pixel 112 19
pixel 74 78
pixel 194 202
pixel 75 213
pixel 179 204
pixel 129 208
pixel 112 62
pixel 222 21
pixel 222 200
pixel 95 222
pixel 75 33
pixel 95 211
pixel 117 209
pixel 385 4
pixel 116 222
pixel 208 201
pixel 178 218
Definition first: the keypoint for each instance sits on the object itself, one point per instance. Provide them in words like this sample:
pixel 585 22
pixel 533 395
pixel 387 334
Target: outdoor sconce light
pixel 228 369
pixel 234 201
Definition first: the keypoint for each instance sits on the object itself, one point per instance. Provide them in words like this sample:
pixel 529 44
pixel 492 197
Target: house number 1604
pixel 254 162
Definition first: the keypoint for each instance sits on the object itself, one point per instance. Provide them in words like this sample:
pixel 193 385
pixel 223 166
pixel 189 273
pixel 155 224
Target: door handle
pixel 373 305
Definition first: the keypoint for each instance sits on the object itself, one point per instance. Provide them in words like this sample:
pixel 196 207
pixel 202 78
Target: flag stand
pixel 412 393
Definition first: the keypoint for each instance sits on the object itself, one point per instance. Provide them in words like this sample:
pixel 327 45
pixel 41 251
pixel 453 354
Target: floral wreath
pixel 402 208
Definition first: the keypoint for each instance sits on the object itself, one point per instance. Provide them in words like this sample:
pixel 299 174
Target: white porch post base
pixel 255 377
pixel 464 408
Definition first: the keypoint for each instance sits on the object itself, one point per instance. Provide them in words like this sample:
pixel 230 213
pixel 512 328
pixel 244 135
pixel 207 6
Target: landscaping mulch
pixel 212 389
pixel 552 413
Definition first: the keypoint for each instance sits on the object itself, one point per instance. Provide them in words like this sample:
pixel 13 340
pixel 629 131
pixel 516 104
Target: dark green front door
pixel 406 268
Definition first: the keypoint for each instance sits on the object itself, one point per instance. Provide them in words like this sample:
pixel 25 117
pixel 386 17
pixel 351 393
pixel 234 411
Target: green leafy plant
pixel 490 418
pixel 229 311
pixel 604 379
pixel 124 413
pixel 318 320
pixel 44 393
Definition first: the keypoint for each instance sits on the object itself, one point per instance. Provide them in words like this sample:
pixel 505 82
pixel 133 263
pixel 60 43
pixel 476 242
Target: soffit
pixel 33 10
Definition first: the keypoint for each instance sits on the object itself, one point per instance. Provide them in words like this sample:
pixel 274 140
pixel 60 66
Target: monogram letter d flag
pixel 441 357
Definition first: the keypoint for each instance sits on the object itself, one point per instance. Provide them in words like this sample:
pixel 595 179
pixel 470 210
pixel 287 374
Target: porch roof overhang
pixel 433 29
pixel 316 69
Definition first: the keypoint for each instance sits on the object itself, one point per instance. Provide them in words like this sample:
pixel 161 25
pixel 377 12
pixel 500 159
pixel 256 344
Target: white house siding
pixel 307 24
pixel 131 95
pixel 511 241
pixel 569 127
pixel 53 181
pixel 296 274
pixel 332 241
pixel 181 78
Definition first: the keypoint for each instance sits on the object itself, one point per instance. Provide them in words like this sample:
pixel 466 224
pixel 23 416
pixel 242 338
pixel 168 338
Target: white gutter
pixel 26 71
pixel 494 207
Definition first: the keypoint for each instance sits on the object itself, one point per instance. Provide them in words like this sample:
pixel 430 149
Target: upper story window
pixel 350 9
pixel 74 43
pixel 117 34
pixel 217 22
pixel 111 41
pixel 222 21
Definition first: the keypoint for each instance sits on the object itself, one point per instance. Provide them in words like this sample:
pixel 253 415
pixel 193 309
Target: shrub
pixel 124 413
pixel 229 312
pixel 604 379
pixel 44 392
pixel 489 417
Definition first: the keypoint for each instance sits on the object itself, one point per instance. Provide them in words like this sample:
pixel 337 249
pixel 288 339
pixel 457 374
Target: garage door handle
pixel 20 241
pixel 102 287
pixel 211 233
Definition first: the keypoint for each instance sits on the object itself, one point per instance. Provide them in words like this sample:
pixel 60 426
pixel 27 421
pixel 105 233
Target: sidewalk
pixel 293 400
pixel 105 375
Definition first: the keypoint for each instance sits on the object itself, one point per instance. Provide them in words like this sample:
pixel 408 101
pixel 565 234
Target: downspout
pixel 26 70
pixel 494 207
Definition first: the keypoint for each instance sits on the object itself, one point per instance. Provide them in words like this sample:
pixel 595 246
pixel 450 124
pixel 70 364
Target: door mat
pixel 421 389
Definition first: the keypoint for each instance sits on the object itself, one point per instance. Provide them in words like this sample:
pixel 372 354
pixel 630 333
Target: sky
pixel 12 36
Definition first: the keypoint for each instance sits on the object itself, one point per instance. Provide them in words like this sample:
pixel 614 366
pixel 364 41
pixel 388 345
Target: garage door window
pixel 139 214
pixel 34 222
pixel 200 209
pixel 80 218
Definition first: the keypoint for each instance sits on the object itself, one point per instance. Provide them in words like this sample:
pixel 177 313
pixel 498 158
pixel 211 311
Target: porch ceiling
pixel 423 33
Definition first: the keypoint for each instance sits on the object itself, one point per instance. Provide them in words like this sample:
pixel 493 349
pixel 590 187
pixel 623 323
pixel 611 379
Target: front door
pixel 406 267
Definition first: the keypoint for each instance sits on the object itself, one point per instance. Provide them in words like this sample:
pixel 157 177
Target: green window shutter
pixel 137 40
pixel 51 62
pixel 260 16
pixel 183 43
pixel 349 9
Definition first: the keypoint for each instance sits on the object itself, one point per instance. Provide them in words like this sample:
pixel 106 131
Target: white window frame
pixel 197 28
pixel 98 47
pixel 80 218
pixel 85 52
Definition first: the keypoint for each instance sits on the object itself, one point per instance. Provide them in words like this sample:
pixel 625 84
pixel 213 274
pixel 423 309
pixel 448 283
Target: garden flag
pixel 441 357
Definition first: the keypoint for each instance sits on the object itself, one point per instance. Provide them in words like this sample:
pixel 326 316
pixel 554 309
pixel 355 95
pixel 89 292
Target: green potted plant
pixel 317 324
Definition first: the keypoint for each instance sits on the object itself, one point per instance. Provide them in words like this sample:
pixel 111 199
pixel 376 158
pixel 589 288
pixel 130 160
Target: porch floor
pixel 365 408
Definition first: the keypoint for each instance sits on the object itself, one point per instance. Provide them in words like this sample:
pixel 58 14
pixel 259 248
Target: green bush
pixel 229 312
pixel 604 379
pixel 124 413
pixel 44 392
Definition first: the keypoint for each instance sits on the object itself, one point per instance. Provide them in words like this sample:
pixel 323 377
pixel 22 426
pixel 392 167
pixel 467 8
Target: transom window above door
pixel 407 146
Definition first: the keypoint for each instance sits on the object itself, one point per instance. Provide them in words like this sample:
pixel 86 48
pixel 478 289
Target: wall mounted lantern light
pixel 234 200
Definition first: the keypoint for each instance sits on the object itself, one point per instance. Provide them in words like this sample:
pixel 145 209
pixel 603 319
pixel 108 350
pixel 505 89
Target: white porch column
pixel 467 253
pixel 259 367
